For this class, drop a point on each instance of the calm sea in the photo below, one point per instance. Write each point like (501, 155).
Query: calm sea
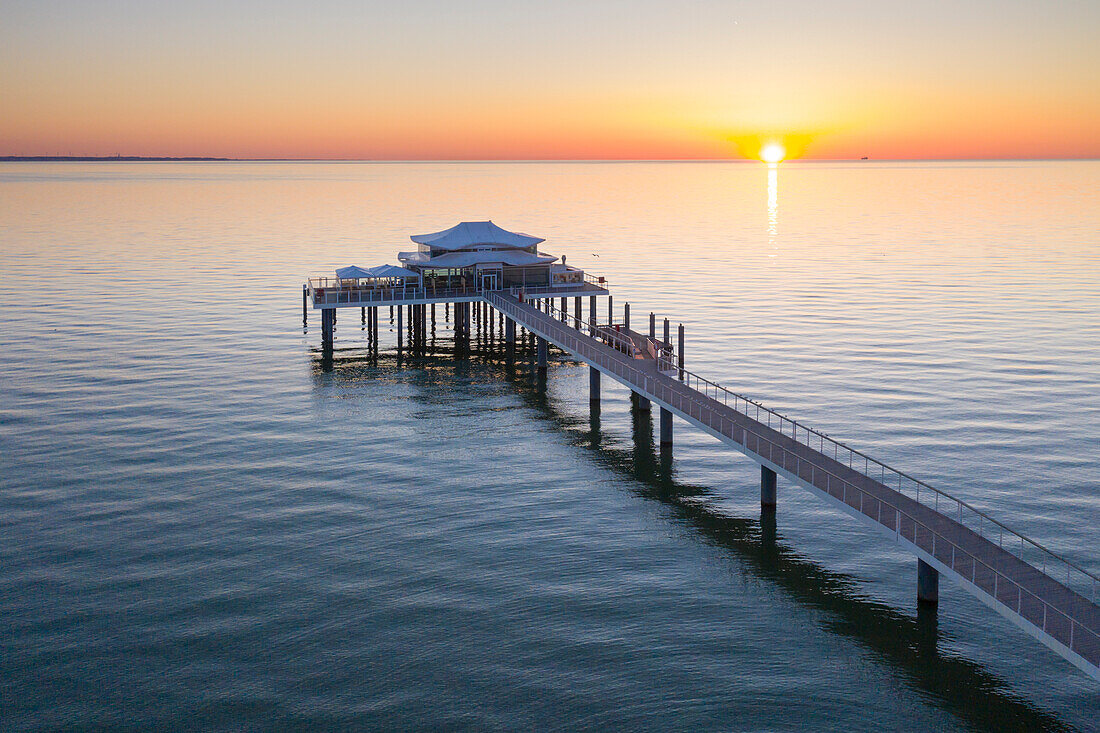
(203, 527)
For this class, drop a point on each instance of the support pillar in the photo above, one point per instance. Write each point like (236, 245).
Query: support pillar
(626, 315)
(400, 327)
(509, 331)
(592, 309)
(652, 326)
(542, 348)
(363, 314)
(767, 488)
(610, 309)
(305, 300)
(593, 385)
(928, 583)
(666, 428)
(577, 311)
(328, 326)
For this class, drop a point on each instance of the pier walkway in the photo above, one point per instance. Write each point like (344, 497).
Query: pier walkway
(1047, 596)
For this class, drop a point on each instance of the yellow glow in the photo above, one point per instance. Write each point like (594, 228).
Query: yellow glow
(772, 153)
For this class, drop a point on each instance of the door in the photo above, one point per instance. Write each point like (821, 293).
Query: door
(490, 281)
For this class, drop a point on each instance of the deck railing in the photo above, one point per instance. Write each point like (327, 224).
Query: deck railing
(367, 296)
(333, 291)
(1081, 639)
(982, 572)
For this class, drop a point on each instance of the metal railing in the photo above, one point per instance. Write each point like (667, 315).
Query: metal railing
(1081, 639)
(334, 291)
(609, 332)
(937, 499)
(941, 501)
(367, 296)
(602, 332)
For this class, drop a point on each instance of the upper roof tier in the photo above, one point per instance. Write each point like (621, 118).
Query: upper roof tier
(476, 233)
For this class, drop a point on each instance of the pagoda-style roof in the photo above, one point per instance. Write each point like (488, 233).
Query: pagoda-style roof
(470, 234)
(458, 260)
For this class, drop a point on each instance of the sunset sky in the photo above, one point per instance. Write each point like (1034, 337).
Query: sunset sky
(511, 80)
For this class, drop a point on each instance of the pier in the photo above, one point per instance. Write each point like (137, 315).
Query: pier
(1046, 595)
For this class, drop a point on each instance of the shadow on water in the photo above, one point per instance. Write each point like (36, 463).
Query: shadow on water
(908, 644)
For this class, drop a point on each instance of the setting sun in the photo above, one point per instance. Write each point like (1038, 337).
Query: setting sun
(772, 153)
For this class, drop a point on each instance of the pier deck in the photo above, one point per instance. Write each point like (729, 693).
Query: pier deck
(984, 556)
(326, 297)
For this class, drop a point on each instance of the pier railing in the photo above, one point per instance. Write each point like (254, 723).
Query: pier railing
(979, 569)
(331, 291)
(941, 501)
(367, 296)
(1022, 547)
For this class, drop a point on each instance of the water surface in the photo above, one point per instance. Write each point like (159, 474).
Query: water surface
(203, 523)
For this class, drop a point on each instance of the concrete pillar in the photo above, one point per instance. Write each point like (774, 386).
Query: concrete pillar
(542, 348)
(400, 327)
(593, 385)
(644, 404)
(928, 583)
(652, 326)
(591, 308)
(509, 331)
(667, 339)
(328, 322)
(767, 488)
(666, 428)
(626, 315)
(610, 309)
(577, 312)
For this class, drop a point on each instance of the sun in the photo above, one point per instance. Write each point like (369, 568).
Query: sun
(772, 153)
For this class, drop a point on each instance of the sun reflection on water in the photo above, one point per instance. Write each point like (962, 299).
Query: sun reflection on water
(773, 205)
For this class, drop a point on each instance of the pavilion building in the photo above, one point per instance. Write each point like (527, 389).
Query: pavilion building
(482, 255)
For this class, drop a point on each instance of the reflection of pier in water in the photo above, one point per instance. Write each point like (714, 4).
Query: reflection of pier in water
(1046, 595)
(908, 644)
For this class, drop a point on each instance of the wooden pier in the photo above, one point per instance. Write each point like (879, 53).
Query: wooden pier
(1050, 598)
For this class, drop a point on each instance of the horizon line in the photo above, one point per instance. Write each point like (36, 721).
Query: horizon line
(7, 158)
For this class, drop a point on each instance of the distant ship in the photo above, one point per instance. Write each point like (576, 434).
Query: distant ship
(864, 158)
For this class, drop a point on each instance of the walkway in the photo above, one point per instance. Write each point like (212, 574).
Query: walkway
(955, 538)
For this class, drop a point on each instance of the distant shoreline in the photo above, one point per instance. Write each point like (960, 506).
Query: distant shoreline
(96, 158)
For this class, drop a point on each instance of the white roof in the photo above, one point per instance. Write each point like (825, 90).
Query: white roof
(472, 233)
(468, 259)
(363, 273)
(352, 273)
(392, 271)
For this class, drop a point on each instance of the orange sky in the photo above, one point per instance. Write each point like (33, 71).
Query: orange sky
(601, 79)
